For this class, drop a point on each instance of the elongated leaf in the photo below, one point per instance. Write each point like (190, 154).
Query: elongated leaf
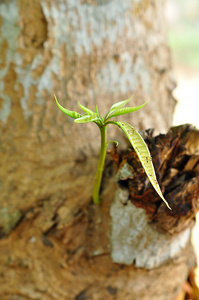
(87, 118)
(97, 111)
(116, 106)
(143, 153)
(85, 109)
(120, 104)
(70, 113)
(125, 110)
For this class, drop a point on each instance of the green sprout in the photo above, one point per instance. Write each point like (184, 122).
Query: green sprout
(133, 136)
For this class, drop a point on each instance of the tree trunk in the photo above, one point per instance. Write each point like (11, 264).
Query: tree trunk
(55, 244)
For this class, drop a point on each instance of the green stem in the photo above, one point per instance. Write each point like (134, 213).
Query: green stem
(100, 167)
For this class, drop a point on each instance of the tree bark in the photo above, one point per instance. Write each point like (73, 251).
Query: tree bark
(55, 244)
(155, 233)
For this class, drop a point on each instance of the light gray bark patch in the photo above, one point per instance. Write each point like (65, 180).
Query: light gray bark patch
(106, 23)
(96, 2)
(134, 240)
(112, 79)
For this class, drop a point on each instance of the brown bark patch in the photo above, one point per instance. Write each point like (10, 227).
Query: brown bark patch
(176, 162)
(4, 47)
(33, 22)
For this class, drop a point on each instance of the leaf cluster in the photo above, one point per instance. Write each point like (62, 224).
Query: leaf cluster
(117, 109)
(132, 134)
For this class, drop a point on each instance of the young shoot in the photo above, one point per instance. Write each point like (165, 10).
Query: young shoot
(132, 134)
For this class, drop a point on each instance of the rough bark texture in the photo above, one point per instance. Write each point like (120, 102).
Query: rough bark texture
(67, 254)
(54, 243)
(155, 233)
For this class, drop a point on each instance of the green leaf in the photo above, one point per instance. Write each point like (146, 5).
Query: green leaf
(87, 118)
(85, 109)
(120, 104)
(70, 113)
(117, 105)
(125, 110)
(97, 111)
(143, 153)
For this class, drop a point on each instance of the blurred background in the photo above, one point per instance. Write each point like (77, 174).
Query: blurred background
(183, 37)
